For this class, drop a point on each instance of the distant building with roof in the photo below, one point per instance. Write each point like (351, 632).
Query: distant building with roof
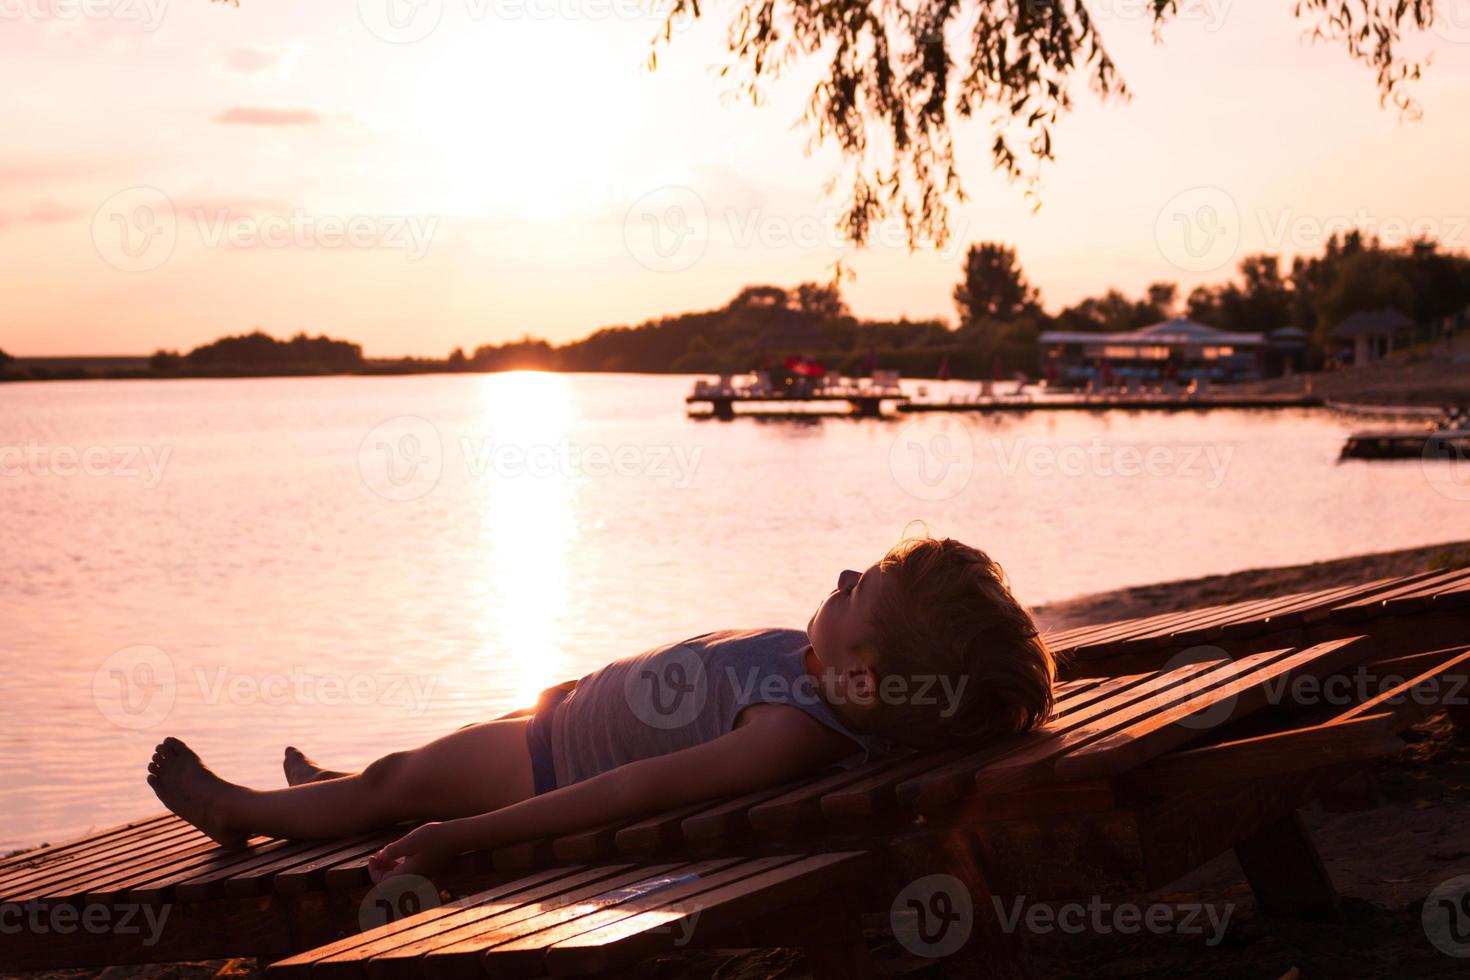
(1287, 351)
(1372, 334)
(1177, 348)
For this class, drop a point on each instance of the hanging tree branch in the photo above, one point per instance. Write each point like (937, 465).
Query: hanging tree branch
(899, 72)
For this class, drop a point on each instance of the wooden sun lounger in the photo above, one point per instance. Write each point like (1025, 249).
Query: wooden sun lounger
(1147, 771)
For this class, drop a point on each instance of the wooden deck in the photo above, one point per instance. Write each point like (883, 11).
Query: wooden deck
(1177, 736)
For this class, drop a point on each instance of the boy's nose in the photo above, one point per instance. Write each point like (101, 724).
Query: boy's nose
(847, 579)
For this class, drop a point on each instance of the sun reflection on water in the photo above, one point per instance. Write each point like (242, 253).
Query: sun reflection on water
(528, 521)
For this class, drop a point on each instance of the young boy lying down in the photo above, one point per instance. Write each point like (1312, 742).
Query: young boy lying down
(927, 647)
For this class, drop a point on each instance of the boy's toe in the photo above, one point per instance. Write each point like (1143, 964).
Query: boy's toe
(180, 748)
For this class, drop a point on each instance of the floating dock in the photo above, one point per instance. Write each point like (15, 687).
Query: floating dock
(797, 399)
(1126, 403)
(865, 402)
(1452, 444)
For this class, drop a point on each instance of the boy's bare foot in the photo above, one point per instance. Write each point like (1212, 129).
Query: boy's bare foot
(189, 788)
(300, 769)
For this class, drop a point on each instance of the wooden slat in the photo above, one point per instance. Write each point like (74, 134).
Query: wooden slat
(1066, 640)
(595, 842)
(658, 832)
(101, 858)
(346, 955)
(22, 865)
(1134, 626)
(152, 854)
(728, 820)
(1165, 622)
(260, 880)
(457, 946)
(1035, 757)
(156, 883)
(1298, 750)
(1400, 700)
(209, 879)
(1138, 693)
(1243, 684)
(1414, 663)
(1246, 618)
(1432, 593)
(257, 876)
(1315, 607)
(1404, 595)
(522, 855)
(803, 805)
(312, 874)
(1226, 621)
(1260, 611)
(947, 775)
(341, 874)
(1210, 623)
(1453, 597)
(874, 794)
(632, 939)
(522, 951)
(402, 956)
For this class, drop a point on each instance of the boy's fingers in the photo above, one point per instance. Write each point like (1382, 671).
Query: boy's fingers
(382, 865)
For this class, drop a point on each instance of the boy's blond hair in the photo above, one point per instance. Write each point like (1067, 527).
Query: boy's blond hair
(947, 613)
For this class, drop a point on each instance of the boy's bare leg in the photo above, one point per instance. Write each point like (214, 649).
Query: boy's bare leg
(474, 770)
(300, 768)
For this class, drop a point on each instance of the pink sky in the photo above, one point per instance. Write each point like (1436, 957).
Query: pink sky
(176, 169)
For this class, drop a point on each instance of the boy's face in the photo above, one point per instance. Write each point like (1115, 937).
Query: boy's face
(839, 632)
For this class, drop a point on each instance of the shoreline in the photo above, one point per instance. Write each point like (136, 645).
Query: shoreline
(1429, 376)
(1255, 583)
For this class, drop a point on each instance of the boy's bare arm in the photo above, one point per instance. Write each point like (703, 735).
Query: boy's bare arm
(775, 744)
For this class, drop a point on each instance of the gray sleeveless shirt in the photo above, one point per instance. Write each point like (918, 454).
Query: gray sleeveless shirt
(684, 694)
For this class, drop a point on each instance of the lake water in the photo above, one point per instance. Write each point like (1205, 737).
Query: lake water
(355, 565)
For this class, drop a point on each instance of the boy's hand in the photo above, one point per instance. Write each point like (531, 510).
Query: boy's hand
(421, 851)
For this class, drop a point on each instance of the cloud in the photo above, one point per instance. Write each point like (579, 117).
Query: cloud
(231, 206)
(248, 116)
(45, 213)
(41, 171)
(248, 59)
